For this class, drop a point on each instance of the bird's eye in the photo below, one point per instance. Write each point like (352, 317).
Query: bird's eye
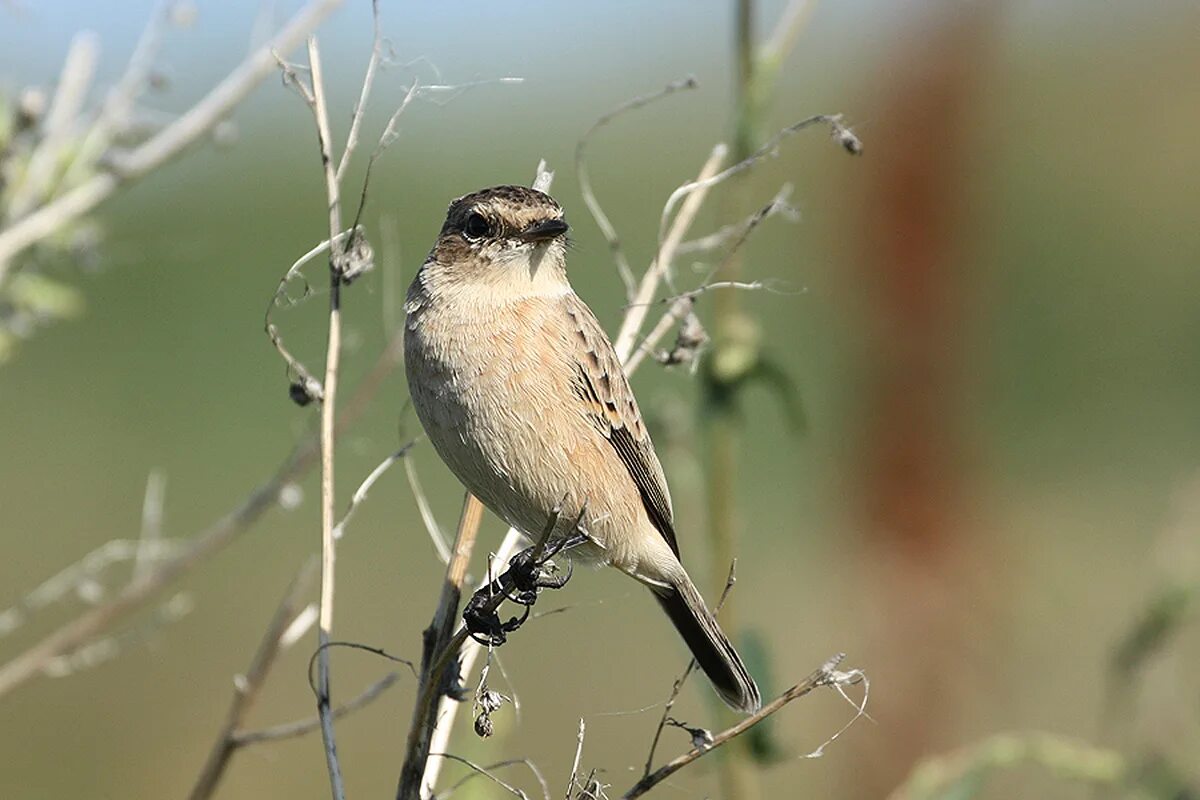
(477, 227)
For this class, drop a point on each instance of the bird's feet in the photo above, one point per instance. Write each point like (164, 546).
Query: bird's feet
(529, 572)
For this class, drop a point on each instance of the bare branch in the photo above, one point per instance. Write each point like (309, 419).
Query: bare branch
(681, 307)
(304, 386)
(632, 323)
(82, 578)
(88, 625)
(447, 709)
(118, 109)
(97, 651)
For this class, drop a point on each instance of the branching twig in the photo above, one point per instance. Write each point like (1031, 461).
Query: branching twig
(83, 577)
(727, 233)
(639, 307)
(841, 134)
(682, 304)
(825, 675)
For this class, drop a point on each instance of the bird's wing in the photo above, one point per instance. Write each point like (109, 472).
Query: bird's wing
(611, 408)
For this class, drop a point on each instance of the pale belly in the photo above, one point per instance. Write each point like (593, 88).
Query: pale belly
(503, 421)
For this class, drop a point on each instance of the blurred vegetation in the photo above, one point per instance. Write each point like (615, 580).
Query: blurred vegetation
(1078, 375)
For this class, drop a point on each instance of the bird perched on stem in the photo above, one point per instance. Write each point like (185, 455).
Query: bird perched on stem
(524, 398)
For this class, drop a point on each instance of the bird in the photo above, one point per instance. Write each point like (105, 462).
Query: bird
(523, 397)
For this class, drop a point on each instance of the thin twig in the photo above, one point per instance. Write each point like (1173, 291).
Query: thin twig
(365, 94)
(360, 493)
(164, 145)
(118, 108)
(585, 181)
(246, 686)
(487, 773)
(97, 651)
(825, 675)
(727, 233)
(305, 386)
(841, 134)
(431, 525)
(292, 730)
(152, 523)
(88, 625)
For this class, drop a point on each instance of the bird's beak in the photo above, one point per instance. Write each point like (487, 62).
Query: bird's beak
(545, 230)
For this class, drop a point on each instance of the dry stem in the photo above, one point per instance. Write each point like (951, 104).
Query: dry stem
(440, 644)
(825, 675)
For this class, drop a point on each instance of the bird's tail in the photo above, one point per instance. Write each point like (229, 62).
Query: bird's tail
(709, 645)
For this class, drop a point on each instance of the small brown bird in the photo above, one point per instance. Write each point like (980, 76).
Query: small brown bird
(524, 398)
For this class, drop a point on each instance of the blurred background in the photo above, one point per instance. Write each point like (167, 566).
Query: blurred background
(991, 321)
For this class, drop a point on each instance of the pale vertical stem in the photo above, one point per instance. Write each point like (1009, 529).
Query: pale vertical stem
(333, 349)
